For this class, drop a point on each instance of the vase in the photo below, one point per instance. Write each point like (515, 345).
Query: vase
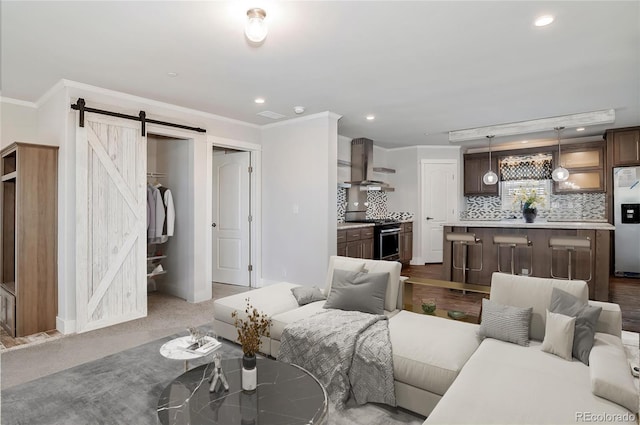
(529, 214)
(249, 373)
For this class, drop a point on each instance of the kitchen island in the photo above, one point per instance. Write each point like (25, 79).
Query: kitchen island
(539, 234)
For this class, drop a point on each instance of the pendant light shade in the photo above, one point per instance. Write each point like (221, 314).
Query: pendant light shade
(560, 174)
(490, 177)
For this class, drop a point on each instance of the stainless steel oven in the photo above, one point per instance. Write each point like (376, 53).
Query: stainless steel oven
(386, 242)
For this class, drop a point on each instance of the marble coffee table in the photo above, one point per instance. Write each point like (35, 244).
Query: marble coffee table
(174, 350)
(285, 394)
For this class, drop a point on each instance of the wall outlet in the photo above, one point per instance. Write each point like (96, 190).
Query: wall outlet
(296, 208)
(284, 272)
(525, 272)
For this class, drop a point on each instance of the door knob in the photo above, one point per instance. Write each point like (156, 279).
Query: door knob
(429, 218)
(213, 224)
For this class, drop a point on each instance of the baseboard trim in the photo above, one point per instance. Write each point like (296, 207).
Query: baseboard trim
(417, 261)
(64, 326)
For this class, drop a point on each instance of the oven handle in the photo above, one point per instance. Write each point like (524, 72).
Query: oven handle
(386, 231)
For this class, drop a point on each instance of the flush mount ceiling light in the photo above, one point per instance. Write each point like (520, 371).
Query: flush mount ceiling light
(544, 20)
(256, 28)
(560, 174)
(580, 129)
(259, 100)
(490, 177)
(544, 124)
(370, 117)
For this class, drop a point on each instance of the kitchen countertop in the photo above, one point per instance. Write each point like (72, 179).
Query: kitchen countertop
(343, 226)
(538, 224)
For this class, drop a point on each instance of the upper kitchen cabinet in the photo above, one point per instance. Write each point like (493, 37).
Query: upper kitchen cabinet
(475, 166)
(585, 163)
(625, 143)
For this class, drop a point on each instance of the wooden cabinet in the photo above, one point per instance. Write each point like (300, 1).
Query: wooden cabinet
(585, 164)
(356, 243)
(406, 242)
(475, 166)
(28, 282)
(625, 143)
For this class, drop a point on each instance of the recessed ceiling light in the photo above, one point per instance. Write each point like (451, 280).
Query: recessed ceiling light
(259, 100)
(370, 117)
(580, 129)
(543, 20)
(172, 74)
(525, 141)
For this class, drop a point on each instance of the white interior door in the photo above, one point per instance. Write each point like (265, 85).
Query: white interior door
(111, 157)
(231, 234)
(439, 205)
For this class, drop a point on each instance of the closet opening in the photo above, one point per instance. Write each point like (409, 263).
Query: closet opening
(232, 217)
(169, 221)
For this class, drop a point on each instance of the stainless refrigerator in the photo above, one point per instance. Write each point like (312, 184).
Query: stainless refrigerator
(626, 204)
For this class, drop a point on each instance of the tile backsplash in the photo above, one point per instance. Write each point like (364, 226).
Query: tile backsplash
(377, 208)
(577, 206)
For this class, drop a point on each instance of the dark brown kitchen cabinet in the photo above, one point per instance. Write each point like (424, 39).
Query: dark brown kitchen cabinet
(475, 166)
(625, 143)
(356, 243)
(405, 242)
(585, 163)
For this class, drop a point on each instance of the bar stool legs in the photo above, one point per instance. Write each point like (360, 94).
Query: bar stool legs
(513, 242)
(571, 244)
(464, 240)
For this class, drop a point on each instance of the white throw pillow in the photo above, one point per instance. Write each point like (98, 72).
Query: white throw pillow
(558, 335)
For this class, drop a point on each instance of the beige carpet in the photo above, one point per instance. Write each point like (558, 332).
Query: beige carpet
(166, 315)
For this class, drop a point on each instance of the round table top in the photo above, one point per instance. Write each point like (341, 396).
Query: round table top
(174, 349)
(285, 394)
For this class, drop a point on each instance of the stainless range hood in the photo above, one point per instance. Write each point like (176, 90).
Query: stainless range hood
(362, 166)
(362, 179)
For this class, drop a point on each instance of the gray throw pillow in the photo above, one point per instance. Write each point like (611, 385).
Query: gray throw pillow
(305, 295)
(586, 319)
(358, 291)
(504, 322)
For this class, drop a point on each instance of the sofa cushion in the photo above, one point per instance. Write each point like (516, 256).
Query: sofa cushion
(357, 291)
(279, 321)
(535, 292)
(505, 383)
(558, 335)
(586, 319)
(305, 294)
(610, 376)
(270, 300)
(428, 351)
(371, 266)
(505, 322)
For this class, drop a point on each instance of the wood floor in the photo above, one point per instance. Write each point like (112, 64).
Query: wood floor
(623, 291)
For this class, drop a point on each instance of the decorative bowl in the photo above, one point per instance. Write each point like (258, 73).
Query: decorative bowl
(429, 306)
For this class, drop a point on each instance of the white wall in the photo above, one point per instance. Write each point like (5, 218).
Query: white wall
(18, 122)
(299, 183)
(406, 180)
(56, 124)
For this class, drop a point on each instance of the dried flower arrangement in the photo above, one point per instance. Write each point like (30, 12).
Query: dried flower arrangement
(251, 329)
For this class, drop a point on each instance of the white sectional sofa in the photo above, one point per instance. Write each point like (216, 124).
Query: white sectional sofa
(443, 370)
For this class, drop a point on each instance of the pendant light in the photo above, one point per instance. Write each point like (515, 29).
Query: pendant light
(490, 177)
(560, 174)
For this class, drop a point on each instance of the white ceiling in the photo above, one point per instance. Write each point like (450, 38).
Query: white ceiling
(422, 68)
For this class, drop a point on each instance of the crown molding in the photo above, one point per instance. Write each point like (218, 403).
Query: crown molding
(18, 102)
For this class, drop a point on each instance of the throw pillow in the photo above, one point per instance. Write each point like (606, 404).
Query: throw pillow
(305, 295)
(586, 318)
(505, 322)
(357, 291)
(558, 335)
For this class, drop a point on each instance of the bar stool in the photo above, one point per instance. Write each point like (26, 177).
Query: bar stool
(464, 240)
(570, 244)
(513, 242)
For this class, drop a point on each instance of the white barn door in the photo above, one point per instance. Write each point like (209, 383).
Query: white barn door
(111, 157)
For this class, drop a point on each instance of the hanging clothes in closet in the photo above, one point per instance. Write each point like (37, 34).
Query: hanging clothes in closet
(160, 212)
